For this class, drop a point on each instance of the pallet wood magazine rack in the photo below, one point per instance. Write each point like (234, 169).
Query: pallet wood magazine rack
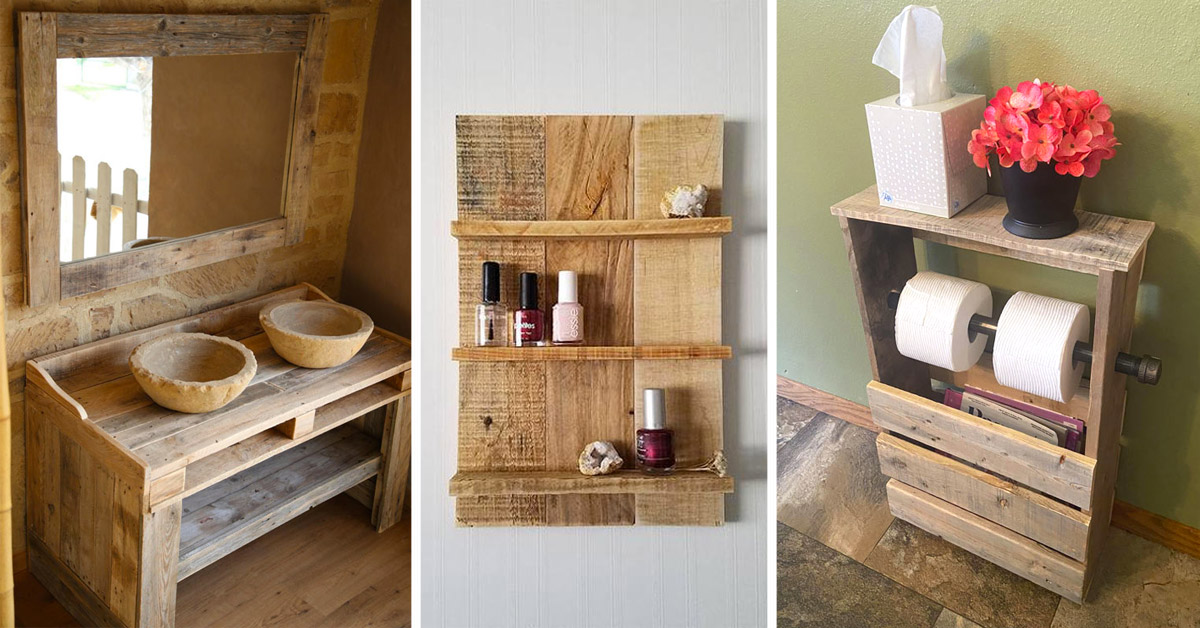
(1037, 510)
(550, 193)
(126, 498)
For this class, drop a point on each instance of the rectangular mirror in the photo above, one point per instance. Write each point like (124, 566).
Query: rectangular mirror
(156, 143)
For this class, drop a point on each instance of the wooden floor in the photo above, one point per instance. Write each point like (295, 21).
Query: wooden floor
(327, 567)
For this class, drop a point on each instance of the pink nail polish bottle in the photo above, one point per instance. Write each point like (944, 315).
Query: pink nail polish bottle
(568, 313)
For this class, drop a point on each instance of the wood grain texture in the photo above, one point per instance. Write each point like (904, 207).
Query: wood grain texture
(994, 543)
(680, 510)
(1026, 512)
(604, 273)
(39, 155)
(1100, 242)
(98, 273)
(388, 500)
(694, 400)
(882, 259)
(590, 510)
(1055, 471)
(67, 588)
(585, 402)
(500, 510)
(676, 288)
(574, 353)
(677, 150)
(502, 416)
(1157, 528)
(1116, 302)
(981, 376)
(158, 566)
(514, 257)
(148, 35)
(501, 167)
(588, 162)
(625, 481)
(302, 141)
(828, 403)
(591, 230)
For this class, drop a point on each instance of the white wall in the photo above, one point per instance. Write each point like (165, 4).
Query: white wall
(608, 57)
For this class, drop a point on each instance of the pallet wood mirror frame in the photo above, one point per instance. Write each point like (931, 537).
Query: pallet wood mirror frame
(46, 37)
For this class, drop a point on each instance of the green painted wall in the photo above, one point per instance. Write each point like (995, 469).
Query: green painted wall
(1143, 57)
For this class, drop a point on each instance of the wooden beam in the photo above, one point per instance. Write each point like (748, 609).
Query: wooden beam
(38, 127)
(150, 35)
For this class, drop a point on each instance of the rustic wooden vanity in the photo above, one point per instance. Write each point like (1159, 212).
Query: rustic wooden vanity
(127, 498)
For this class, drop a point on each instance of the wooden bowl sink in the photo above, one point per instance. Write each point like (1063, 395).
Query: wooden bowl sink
(315, 334)
(190, 372)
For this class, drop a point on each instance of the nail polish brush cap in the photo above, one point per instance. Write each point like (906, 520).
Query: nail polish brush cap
(529, 293)
(491, 282)
(568, 286)
(654, 409)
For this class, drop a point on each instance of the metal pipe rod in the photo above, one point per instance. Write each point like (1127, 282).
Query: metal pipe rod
(1146, 369)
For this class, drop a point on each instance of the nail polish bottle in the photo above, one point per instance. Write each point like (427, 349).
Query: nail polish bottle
(568, 313)
(491, 317)
(529, 324)
(655, 443)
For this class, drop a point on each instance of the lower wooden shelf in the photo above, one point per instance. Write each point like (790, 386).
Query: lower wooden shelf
(477, 483)
(239, 509)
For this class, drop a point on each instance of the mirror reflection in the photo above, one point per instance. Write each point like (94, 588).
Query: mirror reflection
(200, 142)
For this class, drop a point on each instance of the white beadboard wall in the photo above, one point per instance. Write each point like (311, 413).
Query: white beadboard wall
(603, 57)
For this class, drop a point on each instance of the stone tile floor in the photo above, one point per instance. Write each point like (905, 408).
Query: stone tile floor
(844, 561)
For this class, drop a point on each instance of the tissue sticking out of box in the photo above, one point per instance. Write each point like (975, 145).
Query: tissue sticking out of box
(911, 49)
(684, 201)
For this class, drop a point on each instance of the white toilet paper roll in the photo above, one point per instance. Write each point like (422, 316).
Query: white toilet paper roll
(933, 316)
(1035, 340)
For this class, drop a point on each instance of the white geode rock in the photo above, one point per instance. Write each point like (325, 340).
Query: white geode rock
(685, 201)
(599, 458)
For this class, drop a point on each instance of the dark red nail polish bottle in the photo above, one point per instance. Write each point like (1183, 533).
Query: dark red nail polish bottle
(655, 443)
(529, 324)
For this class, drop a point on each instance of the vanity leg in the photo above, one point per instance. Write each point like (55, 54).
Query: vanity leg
(393, 475)
(159, 565)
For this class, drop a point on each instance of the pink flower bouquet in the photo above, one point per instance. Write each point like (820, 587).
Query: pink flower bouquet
(1045, 123)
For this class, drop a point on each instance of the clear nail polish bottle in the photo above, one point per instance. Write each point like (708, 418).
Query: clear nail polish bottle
(491, 317)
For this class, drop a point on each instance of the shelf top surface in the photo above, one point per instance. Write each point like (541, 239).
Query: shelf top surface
(106, 394)
(592, 229)
(589, 352)
(1102, 242)
(624, 481)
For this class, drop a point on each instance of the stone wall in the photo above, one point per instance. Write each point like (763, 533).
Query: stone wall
(30, 332)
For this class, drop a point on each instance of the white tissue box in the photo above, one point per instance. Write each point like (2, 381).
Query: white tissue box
(921, 158)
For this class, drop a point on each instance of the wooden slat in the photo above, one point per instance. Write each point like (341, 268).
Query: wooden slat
(304, 128)
(589, 352)
(103, 447)
(129, 195)
(676, 288)
(233, 459)
(158, 566)
(590, 509)
(704, 509)
(1053, 470)
(588, 163)
(591, 229)
(674, 150)
(1026, 512)
(501, 167)
(694, 400)
(473, 483)
(501, 416)
(500, 510)
(882, 259)
(67, 588)
(98, 273)
(116, 35)
(1101, 242)
(39, 155)
(103, 208)
(216, 529)
(78, 206)
(388, 499)
(994, 543)
(514, 257)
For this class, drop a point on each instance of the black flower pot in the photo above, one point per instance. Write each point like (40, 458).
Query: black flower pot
(1041, 204)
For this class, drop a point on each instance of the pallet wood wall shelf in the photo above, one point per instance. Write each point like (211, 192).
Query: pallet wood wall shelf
(126, 498)
(1037, 510)
(549, 193)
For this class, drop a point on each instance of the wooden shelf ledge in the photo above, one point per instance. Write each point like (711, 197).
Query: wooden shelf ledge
(591, 229)
(1102, 242)
(475, 483)
(578, 353)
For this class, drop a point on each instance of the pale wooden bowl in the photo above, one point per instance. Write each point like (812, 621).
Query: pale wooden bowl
(315, 334)
(189, 372)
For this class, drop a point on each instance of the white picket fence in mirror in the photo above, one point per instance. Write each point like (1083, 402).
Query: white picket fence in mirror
(106, 204)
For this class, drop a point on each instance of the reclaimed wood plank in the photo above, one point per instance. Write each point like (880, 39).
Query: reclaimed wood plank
(151, 35)
(302, 142)
(625, 481)
(501, 167)
(1058, 472)
(992, 542)
(674, 150)
(1021, 510)
(589, 230)
(39, 155)
(590, 353)
(388, 500)
(1100, 242)
(588, 162)
(703, 509)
